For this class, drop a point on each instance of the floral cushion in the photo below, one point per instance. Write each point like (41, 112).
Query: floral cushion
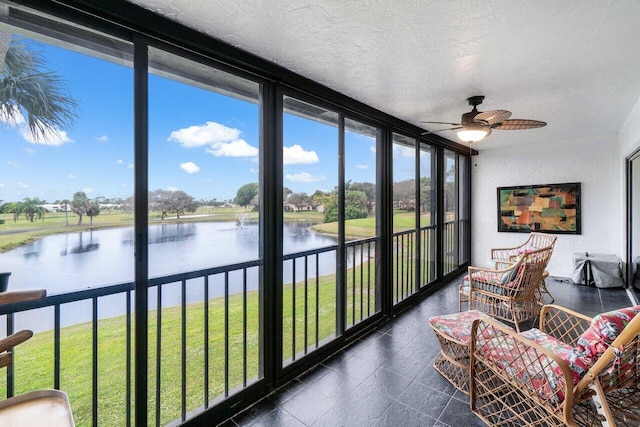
(457, 325)
(521, 362)
(592, 344)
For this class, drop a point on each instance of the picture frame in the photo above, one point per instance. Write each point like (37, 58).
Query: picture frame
(546, 208)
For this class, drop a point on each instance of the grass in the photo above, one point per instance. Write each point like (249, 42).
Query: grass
(34, 364)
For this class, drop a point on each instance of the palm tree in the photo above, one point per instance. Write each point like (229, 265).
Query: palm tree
(29, 92)
(80, 205)
(31, 209)
(65, 203)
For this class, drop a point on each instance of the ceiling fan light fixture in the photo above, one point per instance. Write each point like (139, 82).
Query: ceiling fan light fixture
(473, 132)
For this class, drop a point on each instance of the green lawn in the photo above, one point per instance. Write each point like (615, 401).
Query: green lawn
(34, 359)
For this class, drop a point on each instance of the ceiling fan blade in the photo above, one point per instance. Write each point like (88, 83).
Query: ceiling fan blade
(441, 130)
(442, 123)
(492, 117)
(519, 124)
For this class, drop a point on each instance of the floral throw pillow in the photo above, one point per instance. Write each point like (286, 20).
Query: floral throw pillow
(604, 329)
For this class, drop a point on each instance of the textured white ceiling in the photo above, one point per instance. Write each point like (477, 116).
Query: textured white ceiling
(572, 63)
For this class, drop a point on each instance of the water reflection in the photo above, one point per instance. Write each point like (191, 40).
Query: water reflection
(80, 260)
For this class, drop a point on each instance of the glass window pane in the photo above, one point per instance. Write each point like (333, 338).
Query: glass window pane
(404, 217)
(450, 211)
(360, 220)
(427, 215)
(310, 226)
(66, 220)
(204, 212)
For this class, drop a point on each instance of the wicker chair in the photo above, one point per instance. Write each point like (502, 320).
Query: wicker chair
(571, 371)
(511, 293)
(534, 241)
(41, 407)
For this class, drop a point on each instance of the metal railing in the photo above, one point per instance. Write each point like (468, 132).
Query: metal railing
(404, 261)
(310, 292)
(206, 347)
(204, 329)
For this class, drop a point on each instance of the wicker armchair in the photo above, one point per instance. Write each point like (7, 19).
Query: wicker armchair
(534, 241)
(571, 371)
(511, 293)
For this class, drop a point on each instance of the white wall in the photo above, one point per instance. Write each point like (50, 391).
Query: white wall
(593, 161)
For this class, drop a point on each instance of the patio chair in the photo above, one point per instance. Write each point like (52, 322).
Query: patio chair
(534, 241)
(571, 371)
(510, 294)
(41, 407)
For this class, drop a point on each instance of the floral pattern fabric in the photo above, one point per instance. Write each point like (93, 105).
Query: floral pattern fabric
(457, 325)
(515, 357)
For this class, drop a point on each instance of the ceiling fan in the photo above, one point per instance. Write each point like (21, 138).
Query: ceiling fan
(475, 125)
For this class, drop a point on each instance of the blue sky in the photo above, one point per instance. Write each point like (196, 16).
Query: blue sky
(201, 142)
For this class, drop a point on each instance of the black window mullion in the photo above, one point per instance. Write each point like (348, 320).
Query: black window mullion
(341, 307)
(141, 224)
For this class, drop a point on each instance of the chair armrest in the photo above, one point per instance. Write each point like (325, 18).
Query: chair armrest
(524, 366)
(22, 296)
(563, 324)
(8, 343)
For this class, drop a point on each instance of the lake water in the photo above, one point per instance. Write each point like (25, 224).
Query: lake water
(67, 262)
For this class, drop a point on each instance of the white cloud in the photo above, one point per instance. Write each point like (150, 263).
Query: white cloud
(172, 188)
(373, 149)
(13, 164)
(102, 138)
(130, 166)
(189, 167)
(119, 162)
(29, 151)
(304, 177)
(22, 185)
(208, 134)
(12, 115)
(1, 184)
(362, 166)
(52, 137)
(253, 170)
(296, 155)
(237, 148)
(71, 176)
(87, 190)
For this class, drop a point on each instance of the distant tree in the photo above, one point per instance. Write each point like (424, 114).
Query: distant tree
(299, 199)
(94, 210)
(181, 202)
(322, 198)
(404, 193)
(66, 203)
(80, 205)
(29, 91)
(355, 204)
(14, 208)
(172, 201)
(31, 208)
(368, 188)
(286, 192)
(246, 193)
(159, 200)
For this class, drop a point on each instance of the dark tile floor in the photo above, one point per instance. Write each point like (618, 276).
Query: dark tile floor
(387, 378)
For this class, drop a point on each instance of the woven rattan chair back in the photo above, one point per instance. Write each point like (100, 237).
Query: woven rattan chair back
(515, 301)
